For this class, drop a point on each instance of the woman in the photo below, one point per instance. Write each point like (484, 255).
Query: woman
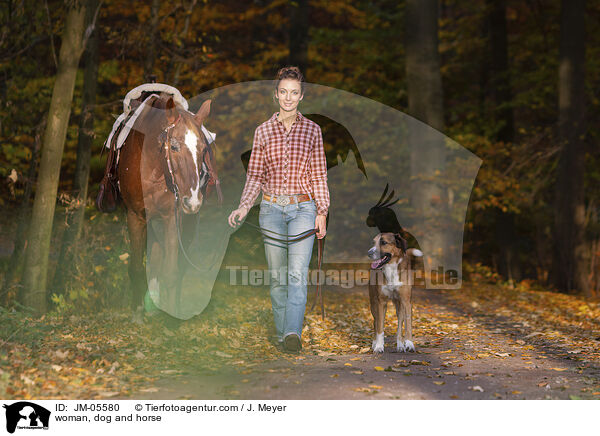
(288, 164)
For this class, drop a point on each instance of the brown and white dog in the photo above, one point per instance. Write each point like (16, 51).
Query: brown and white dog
(390, 254)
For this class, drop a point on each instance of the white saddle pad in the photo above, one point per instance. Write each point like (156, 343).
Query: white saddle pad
(136, 93)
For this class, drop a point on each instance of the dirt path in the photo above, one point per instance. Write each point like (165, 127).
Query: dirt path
(463, 352)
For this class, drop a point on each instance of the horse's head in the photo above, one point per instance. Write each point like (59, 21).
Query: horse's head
(183, 146)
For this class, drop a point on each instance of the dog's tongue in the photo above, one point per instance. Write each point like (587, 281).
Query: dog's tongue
(377, 264)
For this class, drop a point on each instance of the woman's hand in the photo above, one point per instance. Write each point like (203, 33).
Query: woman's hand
(320, 224)
(237, 216)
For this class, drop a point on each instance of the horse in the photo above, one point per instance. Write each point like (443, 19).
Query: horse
(164, 169)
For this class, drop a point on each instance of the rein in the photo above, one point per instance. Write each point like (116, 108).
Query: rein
(294, 238)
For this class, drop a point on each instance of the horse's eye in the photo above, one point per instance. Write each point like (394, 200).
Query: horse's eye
(175, 145)
(383, 242)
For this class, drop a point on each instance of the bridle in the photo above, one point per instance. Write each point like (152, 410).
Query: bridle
(165, 142)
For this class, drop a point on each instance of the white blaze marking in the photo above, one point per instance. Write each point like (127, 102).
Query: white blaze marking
(191, 142)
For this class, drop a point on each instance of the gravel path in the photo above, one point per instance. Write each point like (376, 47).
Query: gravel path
(463, 353)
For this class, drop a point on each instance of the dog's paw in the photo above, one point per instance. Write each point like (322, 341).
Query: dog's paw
(409, 346)
(378, 344)
(399, 346)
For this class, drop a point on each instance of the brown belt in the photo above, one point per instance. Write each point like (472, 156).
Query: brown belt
(281, 199)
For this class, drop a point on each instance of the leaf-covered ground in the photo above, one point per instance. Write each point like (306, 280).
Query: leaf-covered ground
(483, 341)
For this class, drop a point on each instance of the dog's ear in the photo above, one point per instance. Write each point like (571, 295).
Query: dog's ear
(400, 242)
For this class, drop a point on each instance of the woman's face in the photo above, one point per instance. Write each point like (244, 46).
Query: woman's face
(289, 94)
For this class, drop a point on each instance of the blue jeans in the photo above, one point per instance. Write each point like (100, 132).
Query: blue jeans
(288, 263)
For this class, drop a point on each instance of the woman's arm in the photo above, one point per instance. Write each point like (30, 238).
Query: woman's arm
(255, 176)
(318, 174)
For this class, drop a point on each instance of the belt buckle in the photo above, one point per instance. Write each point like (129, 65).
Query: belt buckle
(283, 200)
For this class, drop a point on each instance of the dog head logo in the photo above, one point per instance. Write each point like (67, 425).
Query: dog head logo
(26, 415)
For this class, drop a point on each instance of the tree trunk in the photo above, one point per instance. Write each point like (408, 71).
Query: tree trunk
(425, 102)
(500, 80)
(20, 242)
(33, 293)
(72, 232)
(150, 57)
(186, 26)
(298, 34)
(570, 250)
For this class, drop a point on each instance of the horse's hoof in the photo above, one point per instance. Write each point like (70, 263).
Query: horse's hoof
(138, 316)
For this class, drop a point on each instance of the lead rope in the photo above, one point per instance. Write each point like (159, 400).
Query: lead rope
(299, 237)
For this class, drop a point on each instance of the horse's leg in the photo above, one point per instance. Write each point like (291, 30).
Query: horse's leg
(188, 233)
(137, 273)
(170, 271)
(154, 256)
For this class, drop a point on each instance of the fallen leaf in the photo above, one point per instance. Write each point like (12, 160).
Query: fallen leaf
(378, 368)
(439, 383)
(375, 386)
(559, 369)
(476, 388)
(221, 354)
(61, 354)
(365, 390)
(149, 390)
(516, 392)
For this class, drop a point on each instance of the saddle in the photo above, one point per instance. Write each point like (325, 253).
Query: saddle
(109, 194)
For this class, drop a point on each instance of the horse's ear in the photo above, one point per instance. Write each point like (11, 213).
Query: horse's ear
(171, 111)
(203, 112)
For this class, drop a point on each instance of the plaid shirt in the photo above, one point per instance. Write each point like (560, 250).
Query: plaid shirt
(287, 163)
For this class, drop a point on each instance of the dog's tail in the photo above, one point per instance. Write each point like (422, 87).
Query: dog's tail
(414, 252)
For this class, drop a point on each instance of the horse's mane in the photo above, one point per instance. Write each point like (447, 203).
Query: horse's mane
(152, 118)
(158, 118)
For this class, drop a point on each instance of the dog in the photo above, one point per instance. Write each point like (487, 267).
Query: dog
(391, 255)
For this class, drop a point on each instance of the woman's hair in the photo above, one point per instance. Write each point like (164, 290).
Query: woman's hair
(290, 73)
